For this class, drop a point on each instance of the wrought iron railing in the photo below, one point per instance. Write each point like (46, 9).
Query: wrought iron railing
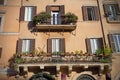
(62, 59)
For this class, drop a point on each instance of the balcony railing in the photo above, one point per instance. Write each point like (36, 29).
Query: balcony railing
(61, 59)
(115, 19)
(55, 27)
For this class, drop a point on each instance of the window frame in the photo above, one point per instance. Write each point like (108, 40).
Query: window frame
(110, 18)
(85, 13)
(23, 13)
(89, 45)
(2, 22)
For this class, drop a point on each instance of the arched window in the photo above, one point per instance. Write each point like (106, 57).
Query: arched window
(85, 77)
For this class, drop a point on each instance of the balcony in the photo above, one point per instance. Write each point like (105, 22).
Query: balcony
(115, 19)
(64, 59)
(44, 22)
(55, 28)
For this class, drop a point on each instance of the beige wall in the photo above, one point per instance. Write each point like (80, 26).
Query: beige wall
(82, 31)
(85, 29)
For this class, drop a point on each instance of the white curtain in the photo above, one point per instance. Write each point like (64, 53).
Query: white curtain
(28, 14)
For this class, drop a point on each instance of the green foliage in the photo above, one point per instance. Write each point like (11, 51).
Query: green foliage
(107, 51)
(105, 60)
(41, 18)
(18, 60)
(99, 51)
(42, 76)
(70, 18)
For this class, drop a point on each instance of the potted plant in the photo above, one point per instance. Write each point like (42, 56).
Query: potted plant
(70, 18)
(41, 18)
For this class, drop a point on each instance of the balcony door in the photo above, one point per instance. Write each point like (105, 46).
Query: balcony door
(55, 17)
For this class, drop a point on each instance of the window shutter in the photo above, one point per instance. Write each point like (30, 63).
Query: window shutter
(88, 45)
(34, 11)
(62, 45)
(100, 43)
(117, 8)
(84, 12)
(22, 13)
(49, 45)
(0, 52)
(2, 2)
(48, 10)
(19, 46)
(96, 13)
(32, 44)
(62, 12)
(105, 6)
(111, 42)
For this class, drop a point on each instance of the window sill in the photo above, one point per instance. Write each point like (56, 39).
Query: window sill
(116, 54)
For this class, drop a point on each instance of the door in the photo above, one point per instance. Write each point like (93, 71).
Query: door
(55, 17)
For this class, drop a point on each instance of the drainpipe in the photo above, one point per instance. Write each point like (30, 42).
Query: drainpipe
(104, 42)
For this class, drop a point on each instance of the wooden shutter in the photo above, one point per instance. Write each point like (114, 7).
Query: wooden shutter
(105, 6)
(49, 45)
(117, 8)
(48, 10)
(22, 13)
(62, 45)
(100, 43)
(2, 2)
(84, 12)
(32, 44)
(111, 42)
(62, 12)
(96, 13)
(34, 11)
(88, 45)
(19, 46)
(0, 52)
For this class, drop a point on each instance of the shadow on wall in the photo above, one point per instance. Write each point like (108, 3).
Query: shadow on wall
(117, 77)
(31, 25)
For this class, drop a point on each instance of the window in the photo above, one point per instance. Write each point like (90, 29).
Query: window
(94, 44)
(2, 2)
(114, 40)
(1, 21)
(27, 13)
(55, 17)
(112, 12)
(56, 45)
(90, 13)
(56, 11)
(25, 45)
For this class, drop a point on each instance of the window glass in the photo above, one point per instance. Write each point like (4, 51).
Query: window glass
(116, 39)
(25, 45)
(28, 14)
(55, 45)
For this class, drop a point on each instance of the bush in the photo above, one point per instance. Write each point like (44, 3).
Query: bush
(41, 18)
(70, 18)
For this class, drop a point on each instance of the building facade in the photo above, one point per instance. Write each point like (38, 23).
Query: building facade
(67, 50)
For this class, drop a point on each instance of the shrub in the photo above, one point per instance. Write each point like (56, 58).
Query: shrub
(41, 18)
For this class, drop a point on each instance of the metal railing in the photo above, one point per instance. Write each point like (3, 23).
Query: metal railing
(63, 59)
